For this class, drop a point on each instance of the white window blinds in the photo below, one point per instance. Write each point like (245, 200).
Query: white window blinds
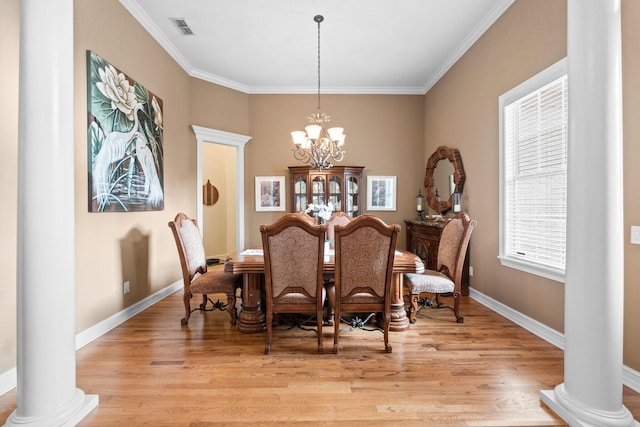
(534, 178)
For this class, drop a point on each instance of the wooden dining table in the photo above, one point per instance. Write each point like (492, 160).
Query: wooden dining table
(250, 263)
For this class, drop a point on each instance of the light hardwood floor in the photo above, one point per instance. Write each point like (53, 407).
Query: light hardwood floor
(484, 372)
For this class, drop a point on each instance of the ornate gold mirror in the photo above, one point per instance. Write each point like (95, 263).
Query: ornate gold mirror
(443, 178)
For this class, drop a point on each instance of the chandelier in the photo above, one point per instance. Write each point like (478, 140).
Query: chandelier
(317, 146)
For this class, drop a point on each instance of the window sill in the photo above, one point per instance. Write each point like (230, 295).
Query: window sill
(529, 267)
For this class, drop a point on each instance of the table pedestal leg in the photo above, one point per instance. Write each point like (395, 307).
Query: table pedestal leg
(251, 318)
(399, 320)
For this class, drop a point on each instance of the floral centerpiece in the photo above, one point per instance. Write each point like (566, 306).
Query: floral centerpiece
(321, 210)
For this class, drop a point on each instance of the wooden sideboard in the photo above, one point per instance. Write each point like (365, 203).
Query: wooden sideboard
(423, 239)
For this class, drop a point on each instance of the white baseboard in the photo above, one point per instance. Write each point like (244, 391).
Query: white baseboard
(88, 335)
(8, 379)
(543, 331)
(630, 377)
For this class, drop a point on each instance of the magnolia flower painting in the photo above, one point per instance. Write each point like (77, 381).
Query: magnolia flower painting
(124, 138)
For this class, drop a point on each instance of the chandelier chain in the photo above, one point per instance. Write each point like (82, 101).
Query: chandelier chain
(318, 146)
(318, 20)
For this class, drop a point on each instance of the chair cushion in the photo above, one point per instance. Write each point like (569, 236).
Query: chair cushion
(362, 298)
(213, 282)
(429, 281)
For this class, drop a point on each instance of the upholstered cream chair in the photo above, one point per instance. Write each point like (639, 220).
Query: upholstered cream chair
(196, 278)
(293, 263)
(364, 253)
(446, 280)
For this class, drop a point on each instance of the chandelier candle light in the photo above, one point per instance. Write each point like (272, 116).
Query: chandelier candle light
(318, 146)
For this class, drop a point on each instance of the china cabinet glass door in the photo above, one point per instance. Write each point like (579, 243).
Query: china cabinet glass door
(318, 190)
(351, 196)
(300, 194)
(335, 192)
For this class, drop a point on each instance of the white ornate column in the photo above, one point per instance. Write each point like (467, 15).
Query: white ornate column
(591, 394)
(46, 363)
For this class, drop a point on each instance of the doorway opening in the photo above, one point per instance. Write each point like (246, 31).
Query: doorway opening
(213, 136)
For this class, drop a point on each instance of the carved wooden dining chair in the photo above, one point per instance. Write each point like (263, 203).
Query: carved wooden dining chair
(309, 218)
(337, 218)
(447, 279)
(197, 279)
(293, 266)
(364, 253)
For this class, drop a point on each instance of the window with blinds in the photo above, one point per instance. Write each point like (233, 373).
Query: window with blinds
(533, 142)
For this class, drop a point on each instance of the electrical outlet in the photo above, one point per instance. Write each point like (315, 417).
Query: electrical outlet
(471, 271)
(635, 234)
(127, 287)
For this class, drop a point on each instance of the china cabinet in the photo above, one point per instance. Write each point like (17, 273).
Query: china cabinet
(340, 185)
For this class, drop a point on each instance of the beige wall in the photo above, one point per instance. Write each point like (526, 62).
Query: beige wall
(385, 133)
(631, 107)
(461, 111)
(137, 246)
(218, 107)
(9, 35)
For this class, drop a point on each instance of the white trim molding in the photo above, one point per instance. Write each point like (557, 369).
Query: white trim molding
(543, 331)
(96, 331)
(9, 379)
(134, 8)
(630, 377)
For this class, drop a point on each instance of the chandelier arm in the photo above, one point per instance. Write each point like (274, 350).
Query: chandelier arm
(301, 155)
(338, 156)
(318, 155)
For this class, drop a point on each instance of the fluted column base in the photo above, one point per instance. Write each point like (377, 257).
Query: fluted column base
(68, 415)
(577, 415)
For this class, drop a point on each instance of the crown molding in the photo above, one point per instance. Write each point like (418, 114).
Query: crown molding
(466, 44)
(138, 13)
(212, 78)
(300, 90)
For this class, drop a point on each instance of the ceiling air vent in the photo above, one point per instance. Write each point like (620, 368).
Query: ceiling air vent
(182, 26)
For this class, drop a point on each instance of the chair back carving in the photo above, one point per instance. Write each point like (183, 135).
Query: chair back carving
(293, 257)
(365, 250)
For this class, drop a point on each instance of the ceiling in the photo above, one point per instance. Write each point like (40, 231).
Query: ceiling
(366, 46)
